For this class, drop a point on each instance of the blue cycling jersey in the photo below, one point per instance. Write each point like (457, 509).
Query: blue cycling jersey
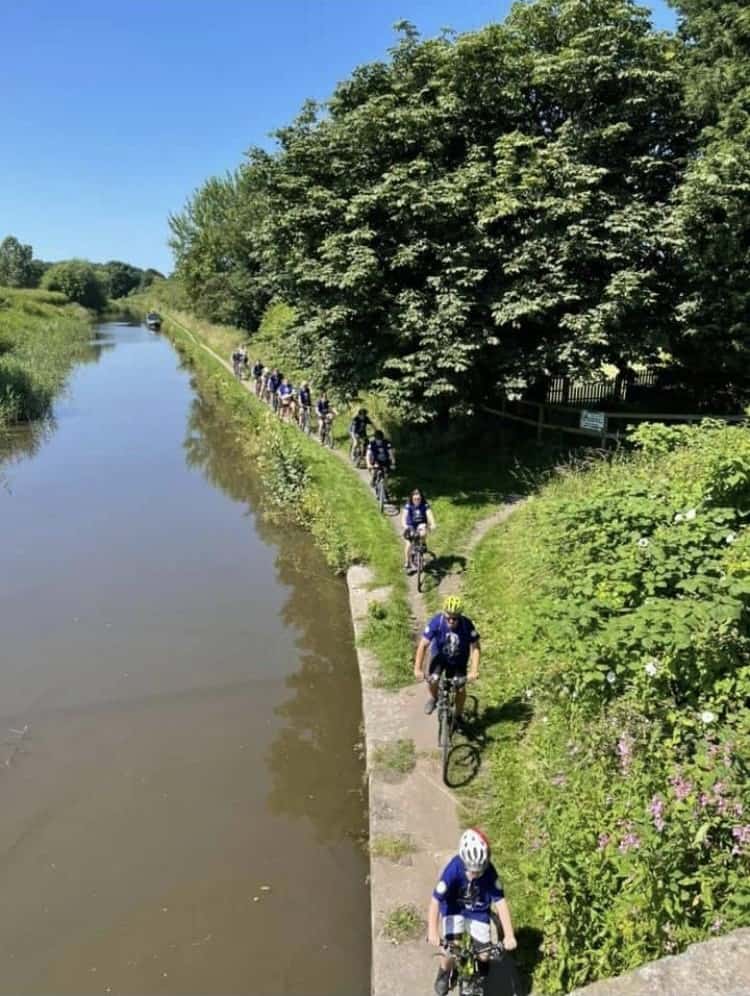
(380, 452)
(460, 896)
(273, 383)
(416, 515)
(304, 397)
(323, 407)
(285, 390)
(452, 644)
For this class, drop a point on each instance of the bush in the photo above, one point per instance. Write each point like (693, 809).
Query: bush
(77, 280)
(623, 591)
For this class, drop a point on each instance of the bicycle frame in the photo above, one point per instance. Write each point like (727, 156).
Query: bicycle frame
(471, 981)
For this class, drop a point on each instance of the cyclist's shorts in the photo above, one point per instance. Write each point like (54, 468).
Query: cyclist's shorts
(384, 465)
(411, 532)
(454, 927)
(439, 663)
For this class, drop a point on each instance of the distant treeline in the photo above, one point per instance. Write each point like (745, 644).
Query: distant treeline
(564, 190)
(85, 283)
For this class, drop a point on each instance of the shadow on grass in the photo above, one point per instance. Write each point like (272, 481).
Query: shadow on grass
(516, 711)
(438, 567)
(506, 978)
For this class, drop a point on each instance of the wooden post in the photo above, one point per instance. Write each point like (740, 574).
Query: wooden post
(540, 426)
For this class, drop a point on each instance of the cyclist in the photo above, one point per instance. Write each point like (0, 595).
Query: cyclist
(272, 387)
(416, 520)
(237, 355)
(380, 455)
(358, 431)
(258, 377)
(454, 643)
(325, 414)
(304, 405)
(468, 891)
(286, 399)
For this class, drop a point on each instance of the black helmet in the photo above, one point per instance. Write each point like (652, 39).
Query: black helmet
(379, 434)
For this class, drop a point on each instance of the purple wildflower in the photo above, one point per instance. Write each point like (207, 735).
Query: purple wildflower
(682, 787)
(704, 800)
(717, 925)
(631, 841)
(657, 812)
(603, 841)
(741, 835)
(625, 752)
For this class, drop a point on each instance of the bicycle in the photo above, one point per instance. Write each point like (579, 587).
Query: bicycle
(379, 483)
(326, 436)
(417, 551)
(446, 710)
(467, 971)
(358, 450)
(303, 419)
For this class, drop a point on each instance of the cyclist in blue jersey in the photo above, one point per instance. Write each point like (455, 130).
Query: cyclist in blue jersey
(304, 405)
(380, 454)
(325, 414)
(453, 642)
(258, 377)
(286, 399)
(237, 359)
(417, 519)
(468, 892)
(358, 430)
(272, 388)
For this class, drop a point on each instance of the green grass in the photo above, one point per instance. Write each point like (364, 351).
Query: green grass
(403, 923)
(392, 847)
(398, 757)
(42, 336)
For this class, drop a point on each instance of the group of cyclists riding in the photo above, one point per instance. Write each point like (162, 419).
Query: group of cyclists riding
(468, 894)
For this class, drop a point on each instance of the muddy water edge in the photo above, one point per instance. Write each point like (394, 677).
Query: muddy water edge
(181, 785)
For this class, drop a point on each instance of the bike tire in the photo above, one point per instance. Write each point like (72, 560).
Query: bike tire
(419, 565)
(381, 494)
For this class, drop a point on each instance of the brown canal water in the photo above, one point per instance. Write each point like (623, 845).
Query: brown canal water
(181, 802)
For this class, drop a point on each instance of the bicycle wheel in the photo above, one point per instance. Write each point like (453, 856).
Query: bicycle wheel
(419, 564)
(380, 492)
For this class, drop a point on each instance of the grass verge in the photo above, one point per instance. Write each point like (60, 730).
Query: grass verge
(42, 335)
(398, 757)
(393, 847)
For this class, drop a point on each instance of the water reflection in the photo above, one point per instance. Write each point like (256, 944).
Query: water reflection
(314, 759)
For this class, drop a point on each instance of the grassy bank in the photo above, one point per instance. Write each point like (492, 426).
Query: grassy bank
(305, 484)
(41, 336)
(614, 610)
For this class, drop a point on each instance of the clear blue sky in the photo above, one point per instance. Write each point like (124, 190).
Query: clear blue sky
(115, 112)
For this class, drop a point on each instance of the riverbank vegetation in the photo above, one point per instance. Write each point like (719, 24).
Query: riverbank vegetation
(614, 610)
(41, 336)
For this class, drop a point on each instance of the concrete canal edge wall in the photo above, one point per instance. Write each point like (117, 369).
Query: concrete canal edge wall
(416, 804)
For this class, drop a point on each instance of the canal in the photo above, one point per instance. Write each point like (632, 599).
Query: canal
(181, 784)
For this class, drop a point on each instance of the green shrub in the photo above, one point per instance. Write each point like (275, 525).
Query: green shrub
(622, 592)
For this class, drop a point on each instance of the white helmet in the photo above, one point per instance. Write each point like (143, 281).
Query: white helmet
(474, 850)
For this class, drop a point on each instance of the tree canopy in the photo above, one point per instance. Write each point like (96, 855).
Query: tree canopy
(525, 199)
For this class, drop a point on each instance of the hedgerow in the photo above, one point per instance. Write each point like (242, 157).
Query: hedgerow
(614, 610)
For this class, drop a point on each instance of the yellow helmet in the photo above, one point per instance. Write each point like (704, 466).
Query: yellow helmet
(453, 606)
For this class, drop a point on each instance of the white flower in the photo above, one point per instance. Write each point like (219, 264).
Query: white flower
(643, 541)
(528, 693)
(679, 517)
(651, 668)
(707, 716)
(730, 537)
(611, 677)
(690, 515)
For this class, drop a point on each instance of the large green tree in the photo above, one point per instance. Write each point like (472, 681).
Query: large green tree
(711, 222)
(16, 263)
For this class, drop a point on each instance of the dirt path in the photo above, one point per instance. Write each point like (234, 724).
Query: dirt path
(451, 583)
